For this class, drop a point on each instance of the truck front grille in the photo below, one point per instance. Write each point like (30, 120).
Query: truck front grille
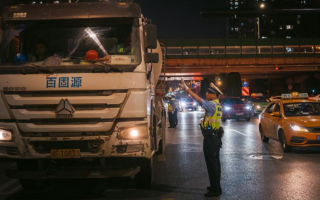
(37, 112)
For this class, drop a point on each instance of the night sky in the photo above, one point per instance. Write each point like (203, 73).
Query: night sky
(181, 19)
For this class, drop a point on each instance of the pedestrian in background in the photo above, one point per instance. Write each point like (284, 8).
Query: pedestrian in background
(171, 114)
(175, 114)
(212, 133)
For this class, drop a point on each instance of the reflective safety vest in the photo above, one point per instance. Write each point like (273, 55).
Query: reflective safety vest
(121, 49)
(213, 121)
(170, 108)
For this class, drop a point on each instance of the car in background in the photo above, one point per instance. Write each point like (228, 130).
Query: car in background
(294, 121)
(235, 108)
(316, 98)
(275, 98)
(188, 104)
(258, 104)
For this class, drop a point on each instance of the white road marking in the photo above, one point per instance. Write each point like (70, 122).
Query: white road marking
(238, 132)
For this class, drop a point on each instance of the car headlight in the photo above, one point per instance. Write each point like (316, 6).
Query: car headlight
(5, 135)
(227, 108)
(299, 128)
(258, 107)
(194, 104)
(248, 107)
(134, 133)
(183, 104)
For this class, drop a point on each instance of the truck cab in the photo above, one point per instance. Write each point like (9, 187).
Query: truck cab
(77, 91)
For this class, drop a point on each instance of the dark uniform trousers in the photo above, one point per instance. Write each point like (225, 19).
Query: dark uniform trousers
(171, 119)
(211, 149)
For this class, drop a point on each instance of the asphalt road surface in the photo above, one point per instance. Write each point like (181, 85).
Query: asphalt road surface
(250, 170)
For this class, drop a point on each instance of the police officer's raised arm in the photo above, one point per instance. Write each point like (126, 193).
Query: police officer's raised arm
(194, 96)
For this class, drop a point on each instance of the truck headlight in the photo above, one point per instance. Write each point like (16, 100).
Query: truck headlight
(134, 133)
(5, 135)
(299, 128)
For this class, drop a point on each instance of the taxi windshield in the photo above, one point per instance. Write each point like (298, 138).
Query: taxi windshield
(301, 109)
(114, 40)
(260, 99)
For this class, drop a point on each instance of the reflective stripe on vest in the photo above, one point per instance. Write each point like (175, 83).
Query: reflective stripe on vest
(213, 121)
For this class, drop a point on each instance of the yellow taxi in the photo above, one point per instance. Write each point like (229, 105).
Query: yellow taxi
(293, 120)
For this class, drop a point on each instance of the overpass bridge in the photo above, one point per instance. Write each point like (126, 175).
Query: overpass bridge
(252, 58)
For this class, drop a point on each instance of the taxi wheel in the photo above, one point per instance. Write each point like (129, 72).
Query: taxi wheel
(263, 137)
(284, 146)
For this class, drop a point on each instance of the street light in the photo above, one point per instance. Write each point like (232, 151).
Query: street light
(262, 6)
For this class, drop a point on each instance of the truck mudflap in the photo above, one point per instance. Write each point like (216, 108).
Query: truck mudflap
(72, 174)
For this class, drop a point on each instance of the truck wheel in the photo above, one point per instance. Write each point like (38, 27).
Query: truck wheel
(263, 137)
(161, 147)
(144, 177)
(162, 143)
(283, 141)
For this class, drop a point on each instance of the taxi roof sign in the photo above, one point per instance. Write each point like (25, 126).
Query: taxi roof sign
(295, 95)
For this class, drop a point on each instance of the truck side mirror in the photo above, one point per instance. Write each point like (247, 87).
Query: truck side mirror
(150, 36)
(151, 57)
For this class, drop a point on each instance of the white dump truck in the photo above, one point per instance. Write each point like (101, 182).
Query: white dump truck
(78, 91)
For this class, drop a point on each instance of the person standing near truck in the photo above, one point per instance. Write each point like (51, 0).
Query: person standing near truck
(171, 109)
(212, 133)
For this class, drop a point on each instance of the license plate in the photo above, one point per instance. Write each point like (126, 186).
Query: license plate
(318, 137)
(239, 114)
(65, 153)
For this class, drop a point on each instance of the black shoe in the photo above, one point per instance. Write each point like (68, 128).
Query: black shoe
(212, 194)
(210, 189)
(170, 127)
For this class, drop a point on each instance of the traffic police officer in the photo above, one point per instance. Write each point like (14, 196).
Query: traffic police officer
(212, 133)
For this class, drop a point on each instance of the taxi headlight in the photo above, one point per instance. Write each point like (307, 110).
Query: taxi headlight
(5, 135)
(227, 108)
(134, 133)
(299, 128)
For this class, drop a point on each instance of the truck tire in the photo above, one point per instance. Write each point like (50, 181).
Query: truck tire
(162, 142)
(144, 177)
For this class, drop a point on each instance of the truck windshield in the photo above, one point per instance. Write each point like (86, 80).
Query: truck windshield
(301, 109)
(113, 41)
